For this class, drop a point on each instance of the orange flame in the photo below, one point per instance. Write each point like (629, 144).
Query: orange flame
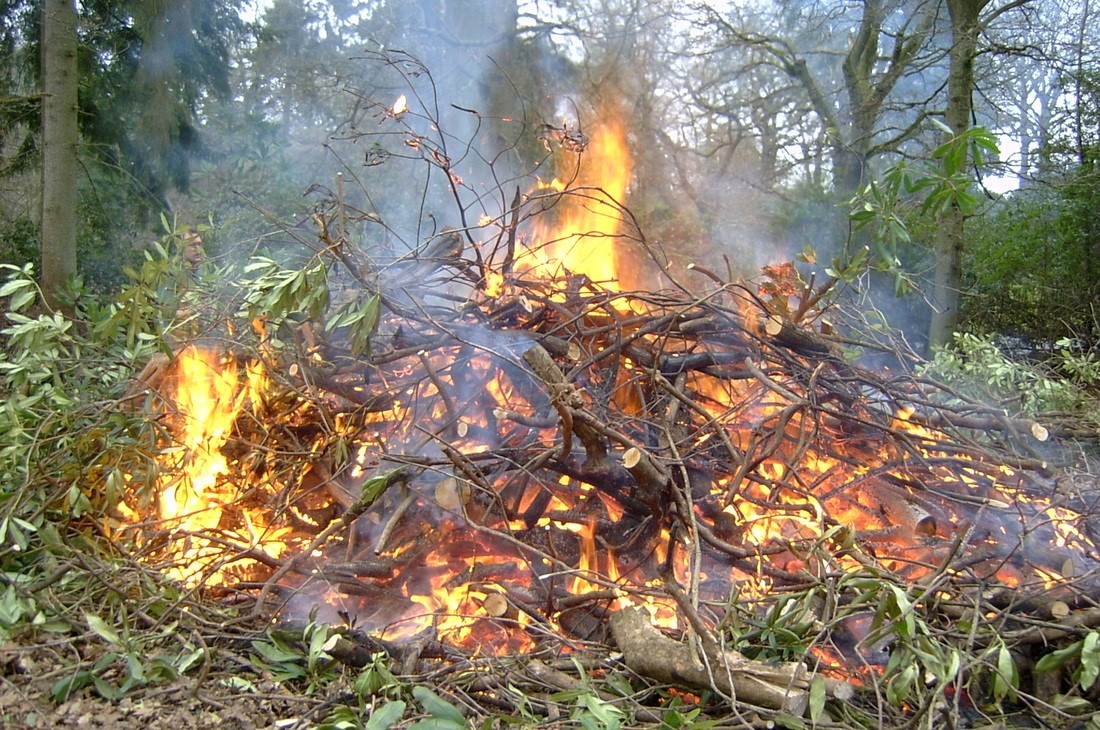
(208, 397)
(584, 240)
(193, 496)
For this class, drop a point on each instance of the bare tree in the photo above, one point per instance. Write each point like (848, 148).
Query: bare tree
(887, 42)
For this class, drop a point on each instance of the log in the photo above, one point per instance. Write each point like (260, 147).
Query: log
(781, 686)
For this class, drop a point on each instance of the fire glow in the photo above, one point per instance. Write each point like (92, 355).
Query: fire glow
(199, 495)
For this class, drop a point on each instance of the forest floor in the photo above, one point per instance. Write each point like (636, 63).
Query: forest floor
(216, 699)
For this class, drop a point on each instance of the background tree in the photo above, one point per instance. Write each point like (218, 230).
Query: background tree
(59, 142)
(141, 69)
(746, 124)
(876, 49)
(967, 24)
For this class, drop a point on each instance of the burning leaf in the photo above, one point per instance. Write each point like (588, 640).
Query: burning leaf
(400, 106)
(451, 495)
(573, 140)
(376, 155)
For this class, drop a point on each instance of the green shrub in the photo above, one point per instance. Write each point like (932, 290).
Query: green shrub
(976, 366)
(1031, 266)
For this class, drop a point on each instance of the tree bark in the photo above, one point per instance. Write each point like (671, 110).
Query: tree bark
(946, 290)
(59, 141)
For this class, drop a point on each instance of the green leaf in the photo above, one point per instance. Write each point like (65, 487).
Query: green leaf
(136, 668)
(105, 689)
(63, 688)
(607, 715)
(907, 626)
(317, 641)
(374, 488)
(187, 661)
(375, 677)
(273, 653)
(438, 707)
(435, 723)
(817, 699)
(1090, 660)
(241, 684)
(901, 685)
(1057, 659)
(1072, 704)
(386, 716)
(789, 721)
(99, 626)
(14, 285)
(23, 298)
(259, 263)
(941, 125)
(1006, 679)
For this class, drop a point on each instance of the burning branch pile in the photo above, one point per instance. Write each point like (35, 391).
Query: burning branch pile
(520, 468)
(490, 452)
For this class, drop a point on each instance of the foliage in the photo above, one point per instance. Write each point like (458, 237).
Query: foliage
(302, 660)
(1031, 267)
(105, 240)
(278, 293)
(128, 662)
(65, 457)
(976, 365)
(919, 659)
(248, 180)
(1081, 367)
(49, 415)
(1084, 654)
(144, 69)
(940, 184)
(18, 241)
(67, 453)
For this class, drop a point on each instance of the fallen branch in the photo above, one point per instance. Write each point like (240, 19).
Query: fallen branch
(648, 652)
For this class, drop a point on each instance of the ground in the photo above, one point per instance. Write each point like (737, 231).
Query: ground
(28, 671)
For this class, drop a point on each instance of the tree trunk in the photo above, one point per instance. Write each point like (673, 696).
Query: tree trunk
(950, 240)
(1079, 77)
(59, 141)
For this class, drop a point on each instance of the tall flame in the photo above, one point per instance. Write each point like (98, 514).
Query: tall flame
(209, 397)
(585, 237)
(194, 494)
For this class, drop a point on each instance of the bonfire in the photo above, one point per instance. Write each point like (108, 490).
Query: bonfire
(494, 448)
